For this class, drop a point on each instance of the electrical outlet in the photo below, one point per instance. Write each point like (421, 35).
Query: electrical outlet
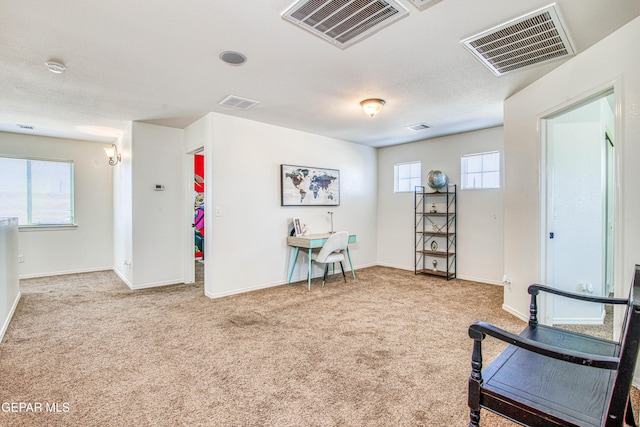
(506, 281)
(20, 258)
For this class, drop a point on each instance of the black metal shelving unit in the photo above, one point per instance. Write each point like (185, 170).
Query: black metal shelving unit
(435, 231)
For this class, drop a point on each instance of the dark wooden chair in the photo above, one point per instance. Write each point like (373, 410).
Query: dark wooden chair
(553, 377)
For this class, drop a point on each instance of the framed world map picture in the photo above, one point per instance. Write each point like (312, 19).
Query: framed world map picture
(309, 186)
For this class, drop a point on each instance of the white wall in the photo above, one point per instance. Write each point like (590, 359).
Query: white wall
(611, 60)
(123, 210)
(246, 245)
(157, 216)
(89, 247)
(9, 282)
(479, 212)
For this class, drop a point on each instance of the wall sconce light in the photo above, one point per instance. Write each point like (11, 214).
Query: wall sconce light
(113, 155)
(372, 106)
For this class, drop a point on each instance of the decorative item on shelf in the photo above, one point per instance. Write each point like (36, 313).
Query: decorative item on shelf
(437, 179)
(435, 264)
(331, 215)
(434, 227)
(305, 230)
(434, 246)
(297, 228)
(433, 208)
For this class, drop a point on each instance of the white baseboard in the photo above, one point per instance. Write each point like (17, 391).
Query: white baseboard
(124, 279)
(214, 295)
(5, 325)
(479, 280)
(61, 273)
(399, 267)
(148, 285)
(524, 317)
(156, 284)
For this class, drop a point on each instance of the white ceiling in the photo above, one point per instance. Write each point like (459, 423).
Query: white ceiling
(156, 61)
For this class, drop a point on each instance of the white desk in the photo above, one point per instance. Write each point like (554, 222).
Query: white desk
(310, 242)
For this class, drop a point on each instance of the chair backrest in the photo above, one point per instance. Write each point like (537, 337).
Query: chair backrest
(335, 243)
(630, 339)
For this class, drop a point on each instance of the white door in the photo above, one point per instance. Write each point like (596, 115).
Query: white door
(577, 229)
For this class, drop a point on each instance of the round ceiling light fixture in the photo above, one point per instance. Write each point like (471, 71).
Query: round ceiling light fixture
(372, 106)
(233, 58)
(55, 67)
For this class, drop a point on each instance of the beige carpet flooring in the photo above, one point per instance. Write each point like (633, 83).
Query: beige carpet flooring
(388, 349)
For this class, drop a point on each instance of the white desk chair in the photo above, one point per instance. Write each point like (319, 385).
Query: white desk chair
(332, 252)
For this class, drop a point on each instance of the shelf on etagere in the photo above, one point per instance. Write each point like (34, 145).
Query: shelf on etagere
(436, 233)
(449, 275)
(441, 254)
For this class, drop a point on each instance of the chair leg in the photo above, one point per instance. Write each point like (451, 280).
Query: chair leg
(629, 418)
(343, 275)
(324, 278)
(474, 419)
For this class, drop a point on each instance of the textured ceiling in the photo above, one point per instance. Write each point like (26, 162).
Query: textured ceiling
(157, 62)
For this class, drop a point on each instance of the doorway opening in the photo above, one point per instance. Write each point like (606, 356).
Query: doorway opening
(198, 214)
(577, 217)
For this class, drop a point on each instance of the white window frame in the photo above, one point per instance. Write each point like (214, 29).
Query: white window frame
(403, 183)
(70, 221)
(481, 179)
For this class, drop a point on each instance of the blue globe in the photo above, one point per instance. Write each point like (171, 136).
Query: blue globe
(437, 179)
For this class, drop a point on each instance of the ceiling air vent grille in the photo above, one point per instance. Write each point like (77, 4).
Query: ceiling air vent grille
(531, 39)
(419, 126)
(238, 103)
(344, 22)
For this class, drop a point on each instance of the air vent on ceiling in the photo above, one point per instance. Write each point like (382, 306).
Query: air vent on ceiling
(344, 22)
(531, 39)
(238, 103)
(419, 126)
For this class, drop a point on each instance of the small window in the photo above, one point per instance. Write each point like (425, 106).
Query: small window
(481, 170)
(38, 192)
(406, 176)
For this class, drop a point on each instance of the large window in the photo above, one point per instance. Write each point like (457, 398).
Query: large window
(481, 170)
(406, 176)
(38, 192)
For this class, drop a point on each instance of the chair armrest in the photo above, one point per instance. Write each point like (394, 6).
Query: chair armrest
(536, 288)
(478, 330)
